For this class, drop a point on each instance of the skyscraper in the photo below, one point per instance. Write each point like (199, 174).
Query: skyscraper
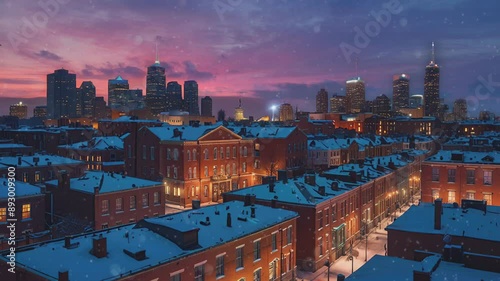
(40, 111)
(337, 103)
(61, 94)
(191, 97)
(382, 105)
(355, 94)
(86, 96)
(322, 101)
(460, 109)
(416, 101)
(174, 96)
(431, 87)
(400, 91)
(286, 112)
(206, 106)
(19, 110)
(156, 87)
(117, 89)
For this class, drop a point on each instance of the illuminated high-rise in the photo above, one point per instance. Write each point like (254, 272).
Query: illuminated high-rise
(337, 103)
(286, 112)
(156, 87)
(431, 87)
(61, 94)
(355, 95)
(322, 101)
(400, 91)
(86, 96)
(174, 96)
(19, 110)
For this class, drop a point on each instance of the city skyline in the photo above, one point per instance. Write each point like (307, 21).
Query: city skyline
(226, 50)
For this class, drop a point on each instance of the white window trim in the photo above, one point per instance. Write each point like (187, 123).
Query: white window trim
(200, 263)
(176, 272)
(240, 246)
(221, 254)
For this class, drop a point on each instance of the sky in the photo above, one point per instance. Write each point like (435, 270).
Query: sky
(264, 52)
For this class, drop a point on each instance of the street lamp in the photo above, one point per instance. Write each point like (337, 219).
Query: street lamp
(273, 108)
(327, 264)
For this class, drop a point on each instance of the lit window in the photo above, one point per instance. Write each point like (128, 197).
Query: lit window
(487, 176)
(320, 246)
(451, 196)
(488, 198)
(470, 195)
(37, 176)
(3, 214)
(435, 194)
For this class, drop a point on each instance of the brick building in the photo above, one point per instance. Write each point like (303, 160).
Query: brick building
(400, 125)
(316, 127)
(40, 167)
(335, 206)
(229, 241)
(104, 200)
(457, 175)
(14, 149)
(431, 227)
(29, 212)
(99, 153)
(198, 162)
(124, 124)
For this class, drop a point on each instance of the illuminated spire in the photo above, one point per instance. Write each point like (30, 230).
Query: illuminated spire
(157, 61)
(433, 59)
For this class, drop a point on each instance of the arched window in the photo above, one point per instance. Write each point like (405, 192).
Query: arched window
(195, 174)
(206, 171)
(190, 173)
(234, 169)
(221, 152)
(206, 153)
(244, 167)
(176, 154)
(168, 154)
(245, 151)
(194, 154)
(228, 152)
(215, 153)
(228, 169)
(188, 155)
(222, 172)
(215, 170)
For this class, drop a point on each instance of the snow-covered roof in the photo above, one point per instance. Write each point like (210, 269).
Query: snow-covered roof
(188, 133)
(267, 132)
(455, 222)
(98, 143)
(13, 145)
(133, 119)
(111, 182)
(472, 157)
(43, 160)
(21, 189)
(51, 257)
(385, 268)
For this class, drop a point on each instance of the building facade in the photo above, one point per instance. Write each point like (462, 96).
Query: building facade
(206, 107)
(431, 87)
(400, 91)
(19, 110)
(191, 97)
(61, 94)
(355, 94)
(322, 101)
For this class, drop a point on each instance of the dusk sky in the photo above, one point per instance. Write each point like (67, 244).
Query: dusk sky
(264, 52)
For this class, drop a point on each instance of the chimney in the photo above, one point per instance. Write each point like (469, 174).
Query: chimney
(63, 276)
(310, 179)
(249, 199)
(228, 220)
(99, 249)
(67, 242)
(392, 165)
(438, 209)
(271, 187)
(63, 182)
(19, 161)
(195, 204)
(282, 176)
(353, 176)
(252, 212)
(273, 203)
(340, 277)
(96, 190)
(321, 190)
(335, 186)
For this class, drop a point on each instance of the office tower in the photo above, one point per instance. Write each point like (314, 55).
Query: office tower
(460, 109)
(221, 115)
(431, 87)
(174, 96)
(286, 112)
(61, 94)
(239, 112)
(355, 94)
(400, 91)
(337, 103)
(117, 92)
(416, 101)
(19, 110)
(206, 106)
(156, 87)
(486, 116)
(99, 108)
(85, 97)
(322, 101)
(40, 111)
(382, 105)
(191, 97)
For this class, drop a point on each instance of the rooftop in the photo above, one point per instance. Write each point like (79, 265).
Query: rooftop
(111, 182)
(29, 161)
(147, 235)
(471, 222)
(21, 189)
(472, 157)
(97, 143)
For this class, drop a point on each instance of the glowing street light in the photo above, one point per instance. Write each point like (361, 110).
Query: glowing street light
(273, 108)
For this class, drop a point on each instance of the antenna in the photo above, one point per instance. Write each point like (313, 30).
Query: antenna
(356, 60)
(433, 58)
(157, 61)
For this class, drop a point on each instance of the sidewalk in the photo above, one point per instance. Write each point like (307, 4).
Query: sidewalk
(377, 241)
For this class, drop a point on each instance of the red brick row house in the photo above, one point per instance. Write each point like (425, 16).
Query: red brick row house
(229, 241)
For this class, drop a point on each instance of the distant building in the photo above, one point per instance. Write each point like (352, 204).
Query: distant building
(117, 89)
(431, 87)
(19, 110)
(322, 101)
(486, 115)
(174, 96)
(183, 118)
(206, 106)
(417, 112)
(337, 103)
(85, 95)
(416, 101)
(286, 112)
(239, 113)
(221, 115)
(191, 97)
(400, 91)
(156, 87)
(355, 94)
(100, 110)
(460, 109)
(61, 94)
(382, 106)
(40, 111)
